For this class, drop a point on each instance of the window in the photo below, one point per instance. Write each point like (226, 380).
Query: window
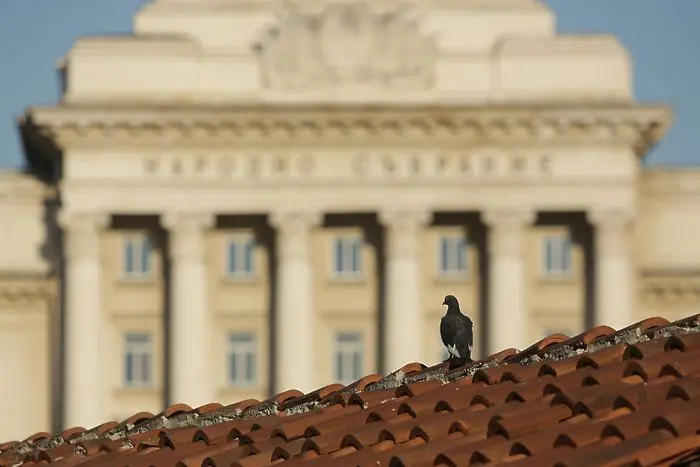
(242, 351)
(452, 255)
(348, 357)
(348, 256)
(240, 259)
(557, 255)
(138, 360)
(137, 256)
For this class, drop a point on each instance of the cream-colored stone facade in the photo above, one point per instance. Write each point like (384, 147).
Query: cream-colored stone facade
(247, 196)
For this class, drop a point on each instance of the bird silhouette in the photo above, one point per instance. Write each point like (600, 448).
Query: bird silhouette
(457, 332)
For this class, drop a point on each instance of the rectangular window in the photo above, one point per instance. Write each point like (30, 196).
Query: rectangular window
(240, 261)
(557, 255)
(348, 357)
(452, 255)
(347, 261)
(137, 256)
(242, 359)
(138, 360)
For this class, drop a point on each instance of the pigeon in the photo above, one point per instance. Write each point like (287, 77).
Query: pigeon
(457, 332)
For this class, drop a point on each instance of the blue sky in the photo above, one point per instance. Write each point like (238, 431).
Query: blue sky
(663, 37)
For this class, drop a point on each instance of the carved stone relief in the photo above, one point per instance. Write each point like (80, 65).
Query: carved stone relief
(345, 44)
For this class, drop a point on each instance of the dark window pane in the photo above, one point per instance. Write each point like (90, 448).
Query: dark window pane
(129, 256)
(357, 365)
(339, 255)
(232, 258)
(249, 257)
(146, 255)
(146, 368)
(250, 367)
(128, 368)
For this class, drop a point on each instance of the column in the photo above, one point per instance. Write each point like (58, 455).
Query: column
(404, 317)
(189, 326)
(614, 274)
(295, 317)
(507, 317)
(83, 387)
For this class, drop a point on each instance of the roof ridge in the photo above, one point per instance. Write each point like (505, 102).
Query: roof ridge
(588, 349)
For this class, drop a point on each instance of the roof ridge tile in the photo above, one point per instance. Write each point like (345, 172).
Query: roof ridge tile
(520, 407)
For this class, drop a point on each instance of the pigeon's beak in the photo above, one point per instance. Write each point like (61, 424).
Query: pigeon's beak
(444, 302)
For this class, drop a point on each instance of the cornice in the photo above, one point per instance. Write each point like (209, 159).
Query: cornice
(670, 285)
(670, 181)
(17, 187)
(26, 290)
(636, 126)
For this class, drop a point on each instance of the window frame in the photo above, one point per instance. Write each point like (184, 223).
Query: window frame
(348, 352)
(249, 349)
(445, 242)
(137, 351)
(137, 250)
(233, 244)
(340, 244)
(560, 248)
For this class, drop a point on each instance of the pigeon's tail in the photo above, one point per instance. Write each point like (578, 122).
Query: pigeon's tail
(459, 362)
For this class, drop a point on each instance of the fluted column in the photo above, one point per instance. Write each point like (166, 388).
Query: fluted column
(507, 312)
(403, 329)
(295, 317)
(83, 323)
(191, 379)
(614, 272)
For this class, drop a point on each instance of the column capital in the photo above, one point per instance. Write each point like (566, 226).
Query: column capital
(185, 231)
(611, 218)
(293, 231)
(506, 229)
(508, 217)
(84, 221)
(612, 230)
(402, 227)
(188, 221)
(405, 219)
(295, 220)
(82, 232)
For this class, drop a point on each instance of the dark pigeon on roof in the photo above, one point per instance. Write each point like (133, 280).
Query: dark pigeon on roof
(457, 332)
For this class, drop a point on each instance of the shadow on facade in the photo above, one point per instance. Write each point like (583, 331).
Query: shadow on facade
(373, 235)
(581, 234)
(52, 252)
(477, 281)
(265, 238)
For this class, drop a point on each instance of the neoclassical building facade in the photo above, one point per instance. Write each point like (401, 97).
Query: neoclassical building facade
(248, 196)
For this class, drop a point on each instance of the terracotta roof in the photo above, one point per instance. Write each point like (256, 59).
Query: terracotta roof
(602, 398)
